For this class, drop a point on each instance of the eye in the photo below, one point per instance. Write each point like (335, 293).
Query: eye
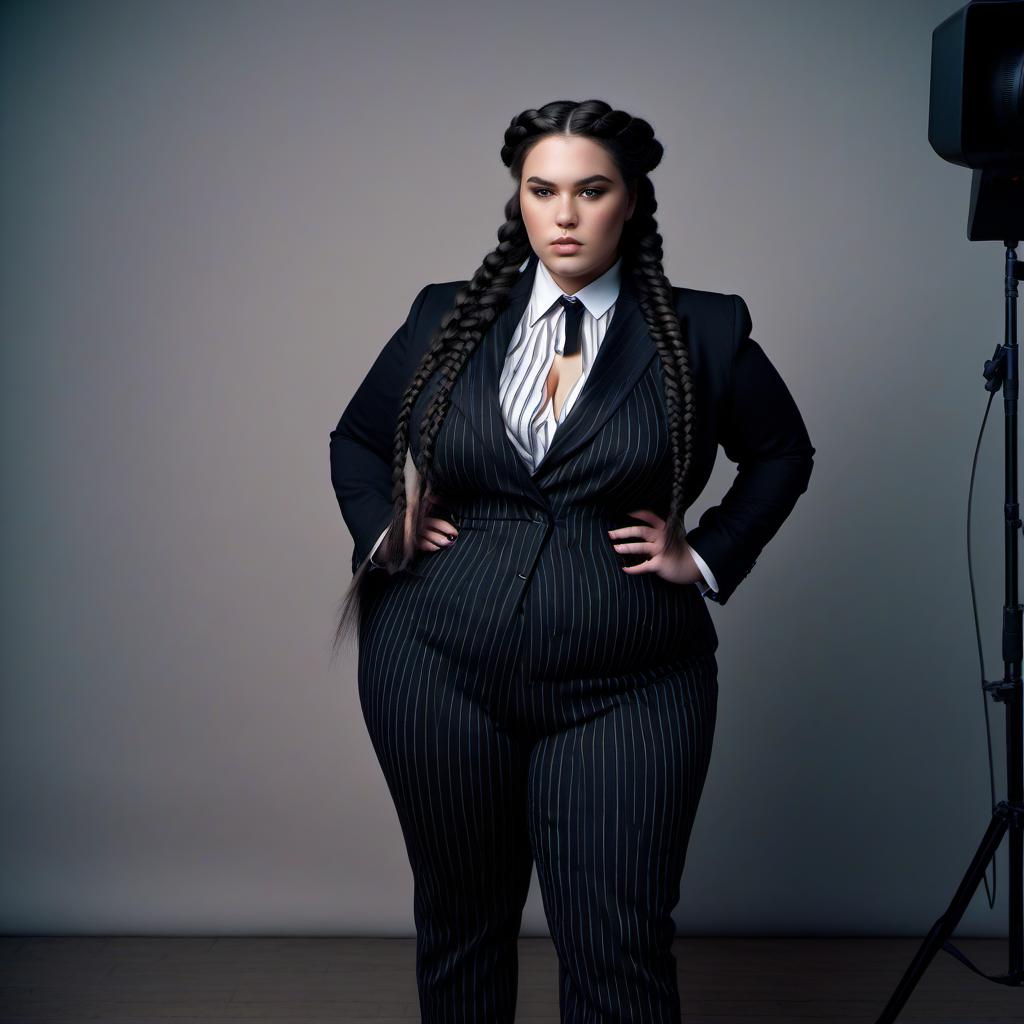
(597, 191)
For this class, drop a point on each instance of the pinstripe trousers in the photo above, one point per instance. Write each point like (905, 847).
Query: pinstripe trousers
(497, 761)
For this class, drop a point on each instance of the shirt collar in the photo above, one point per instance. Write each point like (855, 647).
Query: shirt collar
(597, 297)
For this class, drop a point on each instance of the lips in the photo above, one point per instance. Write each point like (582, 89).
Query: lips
(568, 240)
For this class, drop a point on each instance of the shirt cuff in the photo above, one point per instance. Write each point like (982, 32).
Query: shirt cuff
(373, 564)
(712, 583)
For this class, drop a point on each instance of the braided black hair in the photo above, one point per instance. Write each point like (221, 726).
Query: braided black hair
(636, 152)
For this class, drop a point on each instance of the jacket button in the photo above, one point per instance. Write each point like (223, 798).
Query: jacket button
(520, 575)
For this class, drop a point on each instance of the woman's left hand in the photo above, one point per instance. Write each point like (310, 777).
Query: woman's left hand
(678, 569)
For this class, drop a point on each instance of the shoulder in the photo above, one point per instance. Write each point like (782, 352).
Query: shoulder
(718, 311)
(444, 292)
(433, 301)
(720, 315)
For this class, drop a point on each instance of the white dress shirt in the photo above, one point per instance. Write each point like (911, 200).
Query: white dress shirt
(526, 405)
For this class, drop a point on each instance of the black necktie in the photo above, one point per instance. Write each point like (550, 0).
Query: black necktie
(573, 319)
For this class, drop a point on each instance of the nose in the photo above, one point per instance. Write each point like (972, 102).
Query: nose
(566, 218)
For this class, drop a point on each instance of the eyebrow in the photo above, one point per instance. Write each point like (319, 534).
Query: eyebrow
(582, 181)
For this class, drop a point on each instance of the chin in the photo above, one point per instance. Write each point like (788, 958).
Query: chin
(573, 261)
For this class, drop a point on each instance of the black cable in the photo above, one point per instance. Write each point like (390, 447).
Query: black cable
(981, 653)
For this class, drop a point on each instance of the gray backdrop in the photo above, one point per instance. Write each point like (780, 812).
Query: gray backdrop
(214, 217)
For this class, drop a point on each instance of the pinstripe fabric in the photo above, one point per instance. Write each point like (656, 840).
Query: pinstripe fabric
(530, 703)
(494, 771)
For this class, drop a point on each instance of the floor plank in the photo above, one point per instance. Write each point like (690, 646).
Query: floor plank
(65, 980)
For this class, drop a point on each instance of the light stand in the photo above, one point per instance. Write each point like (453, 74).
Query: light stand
(1008, 815)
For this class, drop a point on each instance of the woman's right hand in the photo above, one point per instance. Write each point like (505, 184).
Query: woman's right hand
(436, 534)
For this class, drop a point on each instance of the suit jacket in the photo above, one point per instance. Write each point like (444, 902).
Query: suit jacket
(609, 455)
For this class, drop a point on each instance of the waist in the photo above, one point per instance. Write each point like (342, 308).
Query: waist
(504, 510)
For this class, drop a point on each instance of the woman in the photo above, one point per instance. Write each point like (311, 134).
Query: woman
(537, 665)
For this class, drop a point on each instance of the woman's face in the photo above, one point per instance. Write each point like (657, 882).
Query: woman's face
(570, 186)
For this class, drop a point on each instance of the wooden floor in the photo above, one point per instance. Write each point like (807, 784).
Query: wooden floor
(330, 981)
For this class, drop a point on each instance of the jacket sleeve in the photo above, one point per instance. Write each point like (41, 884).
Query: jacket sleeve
(763, 433)
(362, 443)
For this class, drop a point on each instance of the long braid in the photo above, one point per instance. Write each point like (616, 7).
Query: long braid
(636, 151)
(658, 305)
(490, 287)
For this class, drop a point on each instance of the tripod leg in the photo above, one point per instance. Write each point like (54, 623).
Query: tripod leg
(943, 928)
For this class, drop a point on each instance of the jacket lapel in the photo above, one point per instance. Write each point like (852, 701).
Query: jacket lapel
(624, 355)
(625, 352)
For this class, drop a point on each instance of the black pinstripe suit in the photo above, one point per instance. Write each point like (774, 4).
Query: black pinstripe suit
(528, 701)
